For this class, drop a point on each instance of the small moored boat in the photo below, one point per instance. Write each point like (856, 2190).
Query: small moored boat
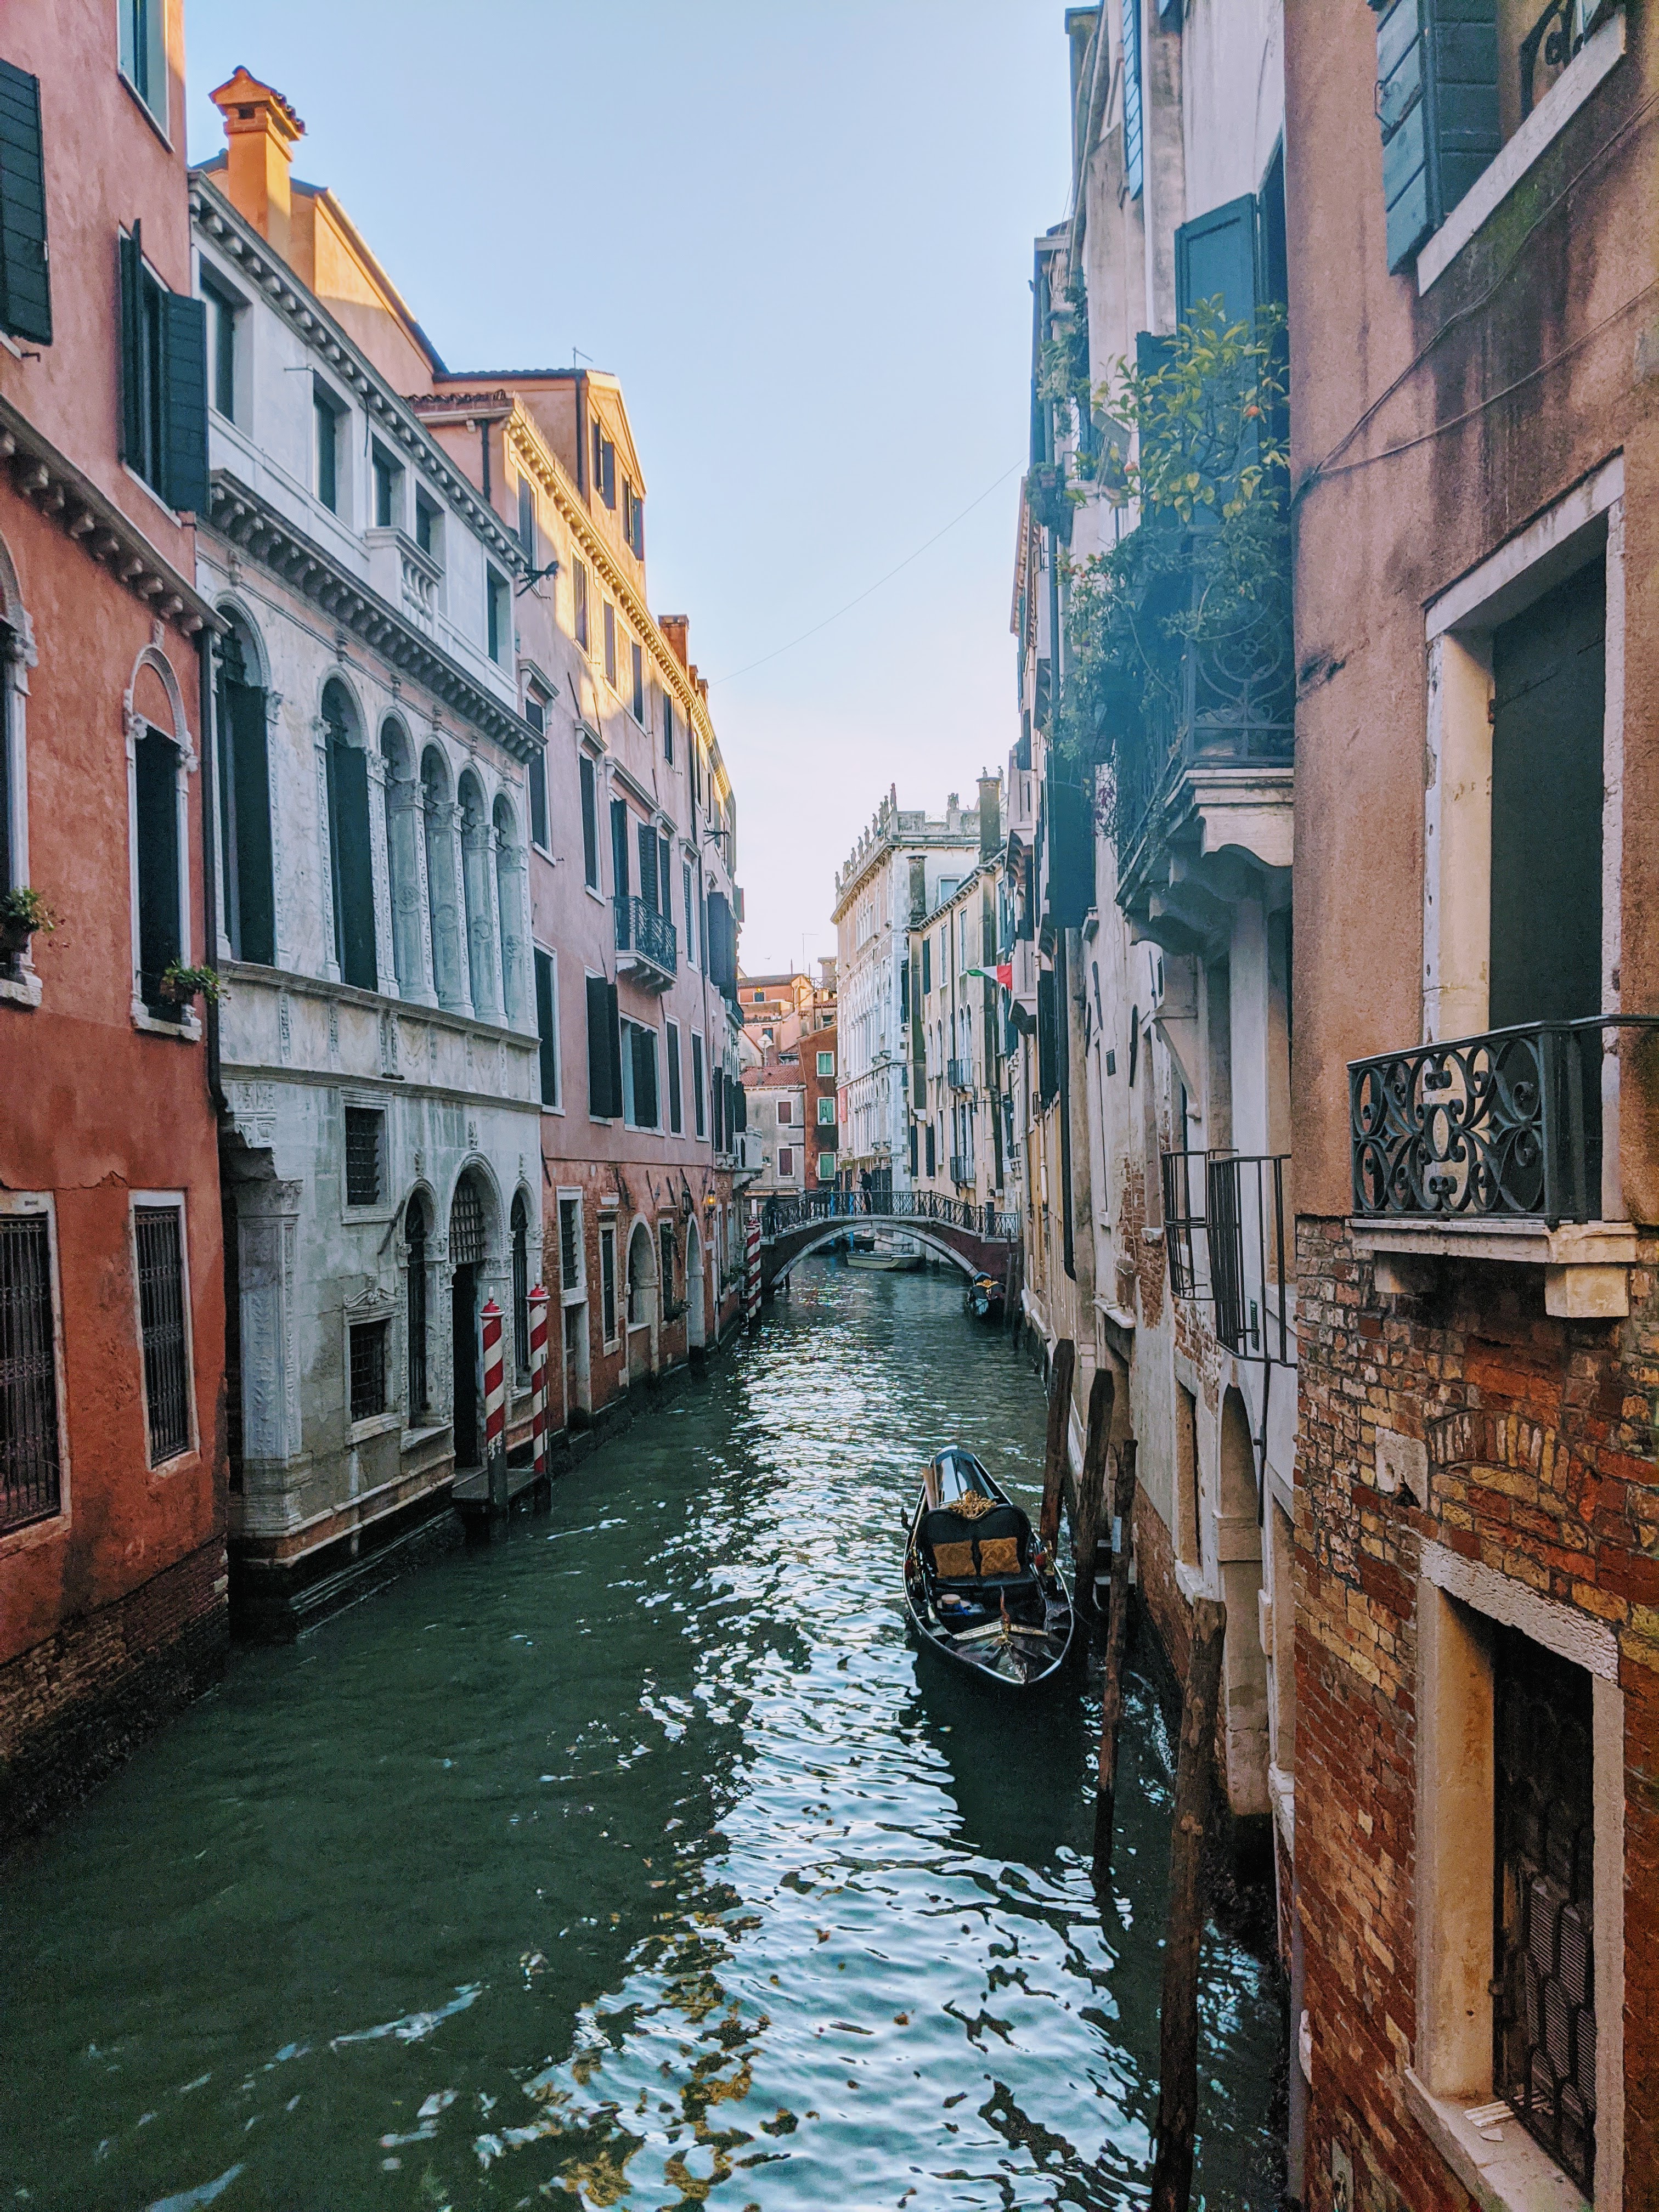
(888, 1255)
(978, 1588)
(983, 1299)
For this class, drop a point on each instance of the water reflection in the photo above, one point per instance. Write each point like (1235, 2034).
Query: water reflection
(638, 1860)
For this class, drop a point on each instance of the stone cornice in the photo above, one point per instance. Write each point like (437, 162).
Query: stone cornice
(311, 322)
(53, 484)
(251, 523)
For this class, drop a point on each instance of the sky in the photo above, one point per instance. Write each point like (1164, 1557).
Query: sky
(800, 231)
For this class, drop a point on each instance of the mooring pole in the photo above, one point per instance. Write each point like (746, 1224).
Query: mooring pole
(495, 1408)
(1178, 2078)
(1054, 1454)
(1092, 1489)
(1111, 1688)
(538, 1304)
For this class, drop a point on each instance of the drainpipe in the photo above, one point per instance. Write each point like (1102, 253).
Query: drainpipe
(209, 852)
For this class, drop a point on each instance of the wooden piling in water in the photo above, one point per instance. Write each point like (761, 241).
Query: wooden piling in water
(1177, 2077)
(1117, 1634)
(1091, 1489)
(1054, 1454)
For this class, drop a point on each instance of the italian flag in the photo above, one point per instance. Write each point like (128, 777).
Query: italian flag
(1004, 974)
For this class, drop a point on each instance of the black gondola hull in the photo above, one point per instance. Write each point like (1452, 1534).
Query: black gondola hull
(1012, 1654)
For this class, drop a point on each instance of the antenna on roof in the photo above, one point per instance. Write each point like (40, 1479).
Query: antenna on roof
(576, 356)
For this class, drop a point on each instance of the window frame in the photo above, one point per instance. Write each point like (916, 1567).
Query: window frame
(674, 1083)
(159, 1201)
(386, 471)
(826, 1064)
(548, 1045)
(498, 618)
(137, 69)
(187, 1027)
(572, 1294)
(699, 1104)
(225, 310)
(588, 773)
(45, 1526)
(326, 403)
(379, 1207)
(581, 626)
(371, 1416)
(636, 680)
(608, 627)
(609, 1306)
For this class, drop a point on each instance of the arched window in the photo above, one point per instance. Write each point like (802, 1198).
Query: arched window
(250, 902)
(641, 1276)
(439, 810)
(509, 897)
(350, 868)
(16, 655)
(419, 1395)
(520, 1284)
(478, 890)
(402, 806)
(158, 803)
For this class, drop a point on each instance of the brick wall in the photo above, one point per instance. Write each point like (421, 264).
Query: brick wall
(1540, 1444)
(73, 1705)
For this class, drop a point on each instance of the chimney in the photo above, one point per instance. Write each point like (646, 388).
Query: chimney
(990, 811)
(676, 629)
(261, 129)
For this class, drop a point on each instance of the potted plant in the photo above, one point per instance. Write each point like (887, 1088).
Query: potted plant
(23, 913)
(180, 984)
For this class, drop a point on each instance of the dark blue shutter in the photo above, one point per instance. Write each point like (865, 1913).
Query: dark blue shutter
(1070, 880)
(355, 884)
(590, 824)
(24, 278)
(1216, 257)
(613, 1039)
(598, 1051)
(185, 402)
(245, 706)
(647, 837)
(1436, 75)
(544, 1027)
(619, 846)
(156, 834)
(538, 798)
(131, 254)
(671, 1046)
(717, 1100)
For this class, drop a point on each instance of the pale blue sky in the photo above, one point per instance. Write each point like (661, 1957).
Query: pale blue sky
(800, 234)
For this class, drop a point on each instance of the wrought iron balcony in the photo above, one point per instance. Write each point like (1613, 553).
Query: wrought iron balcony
(1504, 1125)
(649, 939)
(1224, 1229)
(959, 1074)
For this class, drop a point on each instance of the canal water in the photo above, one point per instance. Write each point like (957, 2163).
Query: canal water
(637, 1859)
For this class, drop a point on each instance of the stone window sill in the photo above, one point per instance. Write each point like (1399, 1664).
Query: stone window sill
(1510, 2174)
(1585, 1263)
(377, 1424)
(186, 1032)
(22, 990)
(1547, 120)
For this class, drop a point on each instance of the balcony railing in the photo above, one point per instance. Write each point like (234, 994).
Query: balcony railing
(959, 1074)
(1224, 1229)
(962, 1167)
(780, 1214)
(648, 934)
(1503, 1126)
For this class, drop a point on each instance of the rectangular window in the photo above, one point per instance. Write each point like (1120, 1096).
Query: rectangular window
(826, 1063)
(535, 713)
(368, 1348)
(428, 527)
(164, 382)
(690, 921)
(498, 616)
(388, 490)
(668, 726)
(826, 1112)
(325, 426)
(604, 467)
(785, 1112)
(698, 1116)
(579, 602)
(30, 1475)
(926, 966)
(717, 1099)
(24, 275)
(155, 789)
(786, 1160)
(570, 1244)
(157, 1231)
(590, 825)
(1187, 1531)
(610, 645)
(640, 1106)
(547, 1026)
(143, 53)
(933, 1154)
(222, 311)
(636, 654)
(648, 887)
(666, 1248)
(608, 1283)
(527, 518)
(671, 1047)
(604, 1062)
(620, 884)
(365, 1133)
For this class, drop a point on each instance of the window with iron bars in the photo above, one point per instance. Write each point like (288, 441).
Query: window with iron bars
(161, 1324)
(1225, 1211)
(368, 1348)
(30, 1477)
(570, 1253)
(365, 1127)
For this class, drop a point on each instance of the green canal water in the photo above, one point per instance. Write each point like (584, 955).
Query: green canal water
(638, 1859)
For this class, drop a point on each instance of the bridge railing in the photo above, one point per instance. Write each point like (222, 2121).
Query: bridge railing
(806, 1209)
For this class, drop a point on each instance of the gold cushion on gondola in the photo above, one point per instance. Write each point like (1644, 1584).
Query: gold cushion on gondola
(954, 1561)
(998, 1555)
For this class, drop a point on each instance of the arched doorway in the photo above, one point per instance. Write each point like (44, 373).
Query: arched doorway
(468, 1238)
(643, 1307)
(417, 1230)
(1238, 1549)
(697, 1326)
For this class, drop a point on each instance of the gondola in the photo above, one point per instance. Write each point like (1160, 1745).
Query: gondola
(982, 1299)
(977, 1587)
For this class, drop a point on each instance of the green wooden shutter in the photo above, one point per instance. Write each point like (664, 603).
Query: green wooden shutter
(619, 846)
(1070, 883)
(544, 1027)
(613, 1045)
(25, 277)
(250, 771)
(1437, 75)
(672, 1049)
(156, 786)
(600, 1103)
(590, 825)
(185, 402)
(130, 250)
(1216, 256)
(352, 867)
(647, 837)
(1047, 1041)
(645, 1078)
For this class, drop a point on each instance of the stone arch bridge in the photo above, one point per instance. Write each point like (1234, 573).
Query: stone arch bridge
(978, 1239)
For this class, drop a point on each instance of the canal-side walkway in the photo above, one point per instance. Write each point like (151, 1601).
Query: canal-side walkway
(635, 1858)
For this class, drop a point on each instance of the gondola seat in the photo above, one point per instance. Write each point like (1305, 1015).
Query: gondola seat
(987, 1556)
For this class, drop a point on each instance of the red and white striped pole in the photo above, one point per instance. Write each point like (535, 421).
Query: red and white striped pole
(538, 1380)
(495, 1405)
(752, 1270)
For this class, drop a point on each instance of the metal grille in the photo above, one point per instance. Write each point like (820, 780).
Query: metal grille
(466, 1225)
(161, 1322)
(570, 1274)
(520, 1288)
(369, 1369)
(29, 1482)
(608, 1281)
(665, 1245)
(418, 1382)
(363, 1127)
(1544, 2000)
